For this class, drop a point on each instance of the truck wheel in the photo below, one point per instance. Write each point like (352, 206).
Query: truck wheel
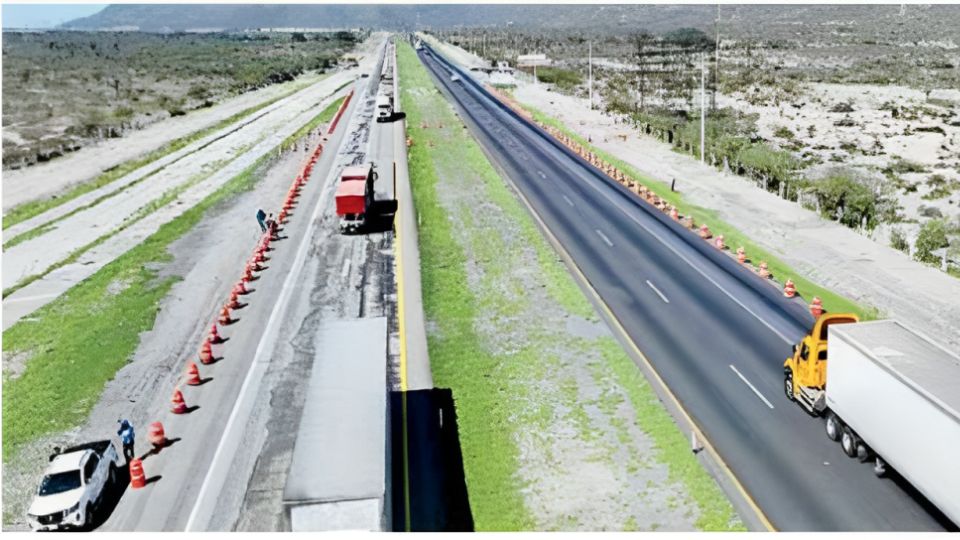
(863, 453)
(88, 515)
(834, 427)
(788, 386)
(849, 442)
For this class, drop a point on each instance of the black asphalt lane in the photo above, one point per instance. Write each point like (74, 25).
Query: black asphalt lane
(717, 315)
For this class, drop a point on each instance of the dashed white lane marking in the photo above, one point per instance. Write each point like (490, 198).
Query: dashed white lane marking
(748, 383)
(656, 290)
(346, 269)
(568, 200)
(542, 175)
(604, 237)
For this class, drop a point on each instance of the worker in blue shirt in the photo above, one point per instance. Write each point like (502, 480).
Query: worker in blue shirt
(126, 437)
(261, 215)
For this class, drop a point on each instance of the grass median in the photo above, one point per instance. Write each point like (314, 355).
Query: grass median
(75, 345)
(471, 277)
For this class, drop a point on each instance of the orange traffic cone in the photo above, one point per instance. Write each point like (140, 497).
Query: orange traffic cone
(248, 274)
(674, 214)
(206, 354)
(234, 302)
(816, 307)
(156, 436)
(214, 336)
(719, 242)
(193, 374)
(239, 288)
(225, 316)
(137, 478)
(741, 255)
(764, 272)
(178, 406)
(704, 231)
(789, 289)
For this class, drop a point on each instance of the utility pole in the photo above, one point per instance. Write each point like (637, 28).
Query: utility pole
(590, 70)
(703, 104)
(716, 68)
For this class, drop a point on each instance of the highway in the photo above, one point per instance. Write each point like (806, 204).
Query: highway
(715, 333)
(231, 458)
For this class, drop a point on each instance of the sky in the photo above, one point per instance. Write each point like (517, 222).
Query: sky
(44, 15)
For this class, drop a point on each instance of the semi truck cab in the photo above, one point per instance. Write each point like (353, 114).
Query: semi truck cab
(805, 373)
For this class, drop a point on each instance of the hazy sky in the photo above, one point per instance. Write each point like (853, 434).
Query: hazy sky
(44, 15)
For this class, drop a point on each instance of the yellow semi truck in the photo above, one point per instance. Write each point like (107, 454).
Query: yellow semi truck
(888, 393)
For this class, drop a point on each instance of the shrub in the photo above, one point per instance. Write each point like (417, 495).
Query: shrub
(898, 240)
(933, 236)
(563, 78)
(783, 132)
(844, 198)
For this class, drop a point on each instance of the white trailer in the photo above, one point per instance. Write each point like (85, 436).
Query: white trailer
(894, 395)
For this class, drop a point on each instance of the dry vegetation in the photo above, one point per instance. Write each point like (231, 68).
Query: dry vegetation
(64, 89)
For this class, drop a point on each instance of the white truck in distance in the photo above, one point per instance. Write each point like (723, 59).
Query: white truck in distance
(384, 108)
(73, 486)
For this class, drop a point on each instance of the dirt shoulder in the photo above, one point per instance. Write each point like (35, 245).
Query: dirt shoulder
(829, 253)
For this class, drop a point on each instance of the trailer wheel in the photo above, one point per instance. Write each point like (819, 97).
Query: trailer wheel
(834, 426)
(788, 386)
(863, 453)
(849, 442)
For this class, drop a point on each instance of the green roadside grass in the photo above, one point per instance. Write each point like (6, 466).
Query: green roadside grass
(491, 406)
(734, 238)
(31, 209)
(75, 345)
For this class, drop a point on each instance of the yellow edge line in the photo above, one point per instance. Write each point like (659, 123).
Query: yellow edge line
(619, 327)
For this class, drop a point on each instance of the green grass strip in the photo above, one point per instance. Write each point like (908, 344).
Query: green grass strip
(734, 238)
(76, 344)
(31, 209)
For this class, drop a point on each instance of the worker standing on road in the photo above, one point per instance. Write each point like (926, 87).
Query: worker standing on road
(126, 437)
(261, 215)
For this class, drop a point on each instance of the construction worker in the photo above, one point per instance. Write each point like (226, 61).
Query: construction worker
(271, 225)
(261, 215)
(126, 437)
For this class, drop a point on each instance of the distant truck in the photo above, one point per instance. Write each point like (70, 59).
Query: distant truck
(354, 197)
(73, 486)
(384, 108)
(887, 393)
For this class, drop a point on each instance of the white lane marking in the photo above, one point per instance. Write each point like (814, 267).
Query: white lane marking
(288, 287)
(752, 387)
(605, 239)
(346, 269)
(542, 175)
(568, 200)
(656, 290)
(30, 298)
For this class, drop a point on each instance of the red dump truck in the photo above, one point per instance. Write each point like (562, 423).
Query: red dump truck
(354, 196)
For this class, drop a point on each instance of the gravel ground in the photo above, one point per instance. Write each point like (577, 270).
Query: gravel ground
(827, 252)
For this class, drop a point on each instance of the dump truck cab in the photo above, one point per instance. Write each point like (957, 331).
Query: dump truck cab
(354, 196)
(805, 372)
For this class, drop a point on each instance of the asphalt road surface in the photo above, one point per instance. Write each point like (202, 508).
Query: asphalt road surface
(714, 332)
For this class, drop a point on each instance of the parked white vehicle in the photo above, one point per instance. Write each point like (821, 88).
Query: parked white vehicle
(384, 108)
(73, 485)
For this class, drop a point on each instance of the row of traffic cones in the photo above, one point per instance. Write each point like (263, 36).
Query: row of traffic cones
(762, 270)
(192, 376)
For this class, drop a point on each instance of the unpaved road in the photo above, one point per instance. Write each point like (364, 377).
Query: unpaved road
(195, 175)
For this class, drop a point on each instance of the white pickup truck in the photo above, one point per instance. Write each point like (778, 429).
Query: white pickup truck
(73, 486)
